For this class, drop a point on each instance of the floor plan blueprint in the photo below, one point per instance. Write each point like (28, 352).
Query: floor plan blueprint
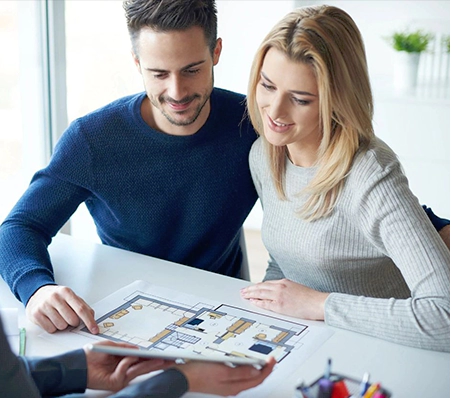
(153, 323)
(154, 317)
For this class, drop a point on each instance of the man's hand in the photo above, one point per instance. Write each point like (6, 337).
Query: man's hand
(111, 372)
(55, 308)
(209, 378)
(288, 298)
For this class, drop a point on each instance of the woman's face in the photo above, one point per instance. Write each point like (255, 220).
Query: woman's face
(287, 96)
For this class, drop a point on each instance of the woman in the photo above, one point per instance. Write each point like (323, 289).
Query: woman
(348, 241)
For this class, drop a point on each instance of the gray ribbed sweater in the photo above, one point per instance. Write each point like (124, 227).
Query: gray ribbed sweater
(378, 254)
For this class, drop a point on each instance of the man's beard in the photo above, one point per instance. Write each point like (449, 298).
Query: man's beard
(162, 100)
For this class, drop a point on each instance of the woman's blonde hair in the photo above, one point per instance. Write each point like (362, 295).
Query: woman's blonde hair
(327, 39)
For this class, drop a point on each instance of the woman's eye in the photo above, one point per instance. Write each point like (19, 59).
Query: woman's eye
(267, 86)
(300, 101)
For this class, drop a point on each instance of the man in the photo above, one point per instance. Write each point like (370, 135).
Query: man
(163, 173)
(77, 370)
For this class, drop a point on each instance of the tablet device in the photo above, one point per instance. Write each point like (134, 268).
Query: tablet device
(178, 358)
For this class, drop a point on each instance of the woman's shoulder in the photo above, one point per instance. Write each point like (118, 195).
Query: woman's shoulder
(374, 160)
(257, 150)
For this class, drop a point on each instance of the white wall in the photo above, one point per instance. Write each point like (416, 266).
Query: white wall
(242, 25)
(416, 127)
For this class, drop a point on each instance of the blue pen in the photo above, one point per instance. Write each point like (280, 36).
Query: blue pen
(365, 383)
(328, 369)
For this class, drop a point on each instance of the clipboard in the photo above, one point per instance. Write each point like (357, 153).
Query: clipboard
(183, 357)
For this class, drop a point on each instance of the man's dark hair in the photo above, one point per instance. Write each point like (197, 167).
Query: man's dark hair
(168, 15)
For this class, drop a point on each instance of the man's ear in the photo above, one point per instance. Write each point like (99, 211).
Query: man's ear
(136, 61)
(217, 51)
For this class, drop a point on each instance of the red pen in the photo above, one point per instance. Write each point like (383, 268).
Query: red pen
(339, 390)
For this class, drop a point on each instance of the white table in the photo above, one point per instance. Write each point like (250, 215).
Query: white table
(94, 271)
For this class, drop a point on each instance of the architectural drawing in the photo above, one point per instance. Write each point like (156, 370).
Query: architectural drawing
(161, 318)
(157, 323)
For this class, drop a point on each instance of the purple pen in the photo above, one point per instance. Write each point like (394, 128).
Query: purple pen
(325, 387)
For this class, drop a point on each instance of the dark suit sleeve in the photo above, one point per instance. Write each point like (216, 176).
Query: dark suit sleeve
(15, 382)
(54, 376)
(67, 373)
(60, 374)
(168, 384)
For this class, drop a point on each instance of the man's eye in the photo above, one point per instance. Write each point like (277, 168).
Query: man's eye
(192, 71)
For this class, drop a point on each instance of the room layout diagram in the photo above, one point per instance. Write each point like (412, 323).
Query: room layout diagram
(158, 323)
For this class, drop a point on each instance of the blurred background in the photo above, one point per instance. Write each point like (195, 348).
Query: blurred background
(64, 58)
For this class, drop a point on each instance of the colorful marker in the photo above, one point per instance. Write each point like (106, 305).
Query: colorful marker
(372, 390)
(365, 383)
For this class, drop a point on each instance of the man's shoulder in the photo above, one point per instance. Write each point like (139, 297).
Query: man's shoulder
(118, 105)
(227, 97)
(116, 116)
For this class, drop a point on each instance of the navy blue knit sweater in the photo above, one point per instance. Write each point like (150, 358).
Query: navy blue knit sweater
(178, 198)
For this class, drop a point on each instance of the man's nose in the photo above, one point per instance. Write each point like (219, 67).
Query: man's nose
(177, 88)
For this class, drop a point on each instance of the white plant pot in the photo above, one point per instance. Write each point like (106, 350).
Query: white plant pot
(406, 72)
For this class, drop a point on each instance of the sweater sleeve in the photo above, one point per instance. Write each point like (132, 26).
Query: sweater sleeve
(392, 219)
(436, 221)
(273, 272)
(168, 384)
(52, 197)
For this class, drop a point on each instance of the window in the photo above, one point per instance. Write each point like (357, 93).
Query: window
(99, 70)
(23, 143)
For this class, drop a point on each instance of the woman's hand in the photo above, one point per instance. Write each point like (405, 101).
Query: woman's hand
(288, 298)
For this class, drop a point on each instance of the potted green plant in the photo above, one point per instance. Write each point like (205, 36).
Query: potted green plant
(446, 43)
(408, 46)
(410, 42)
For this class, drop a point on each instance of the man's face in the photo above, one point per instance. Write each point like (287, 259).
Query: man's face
(177, 71)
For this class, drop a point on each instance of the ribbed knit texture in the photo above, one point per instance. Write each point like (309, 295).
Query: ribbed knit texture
(378, 254)
(179, 198)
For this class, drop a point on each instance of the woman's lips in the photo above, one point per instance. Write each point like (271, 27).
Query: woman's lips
(277, 126)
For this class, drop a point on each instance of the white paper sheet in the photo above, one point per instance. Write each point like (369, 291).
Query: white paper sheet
(157, 318)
